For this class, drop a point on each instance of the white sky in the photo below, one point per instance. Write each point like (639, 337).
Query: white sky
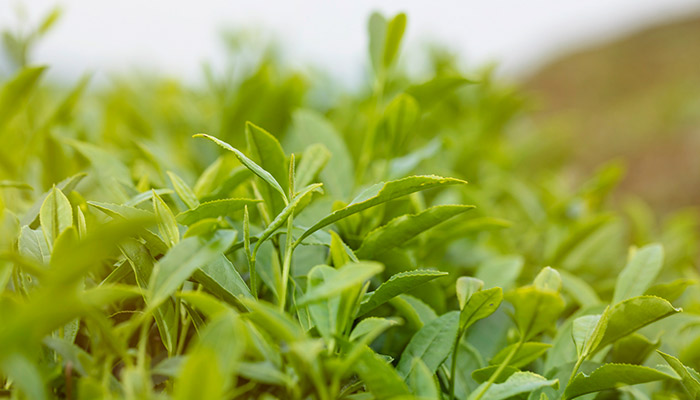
(174, 37)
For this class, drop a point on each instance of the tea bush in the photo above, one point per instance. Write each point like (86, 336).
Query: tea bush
(330, 248)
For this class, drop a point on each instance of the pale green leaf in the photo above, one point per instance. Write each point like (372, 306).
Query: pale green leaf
(689, 382)
(214, 209)
(612, 376)
(313, 159)
(396, 285)
(632, 314)
(182, 260)
(381, 193)
(639, 273)
(221, 278)
(527, 353)
(183, 190)
(400, 230)
(519, 382)
(250, 164)
(55, 216)
(351, 274)
(310, 128)
(465, 287)
(479, 306)
(266, 151)
(432, 343)
(167, 226)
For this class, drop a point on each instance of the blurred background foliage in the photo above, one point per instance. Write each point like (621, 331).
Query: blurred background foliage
(544, 169)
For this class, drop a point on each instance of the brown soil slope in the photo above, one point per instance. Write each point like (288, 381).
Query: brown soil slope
(638, 99)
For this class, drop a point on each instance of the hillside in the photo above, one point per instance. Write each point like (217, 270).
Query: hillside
(636, 98)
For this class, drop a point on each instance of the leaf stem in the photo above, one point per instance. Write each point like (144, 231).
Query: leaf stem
(500, 369)
(286, 266)
(453, 367)
(573, 372)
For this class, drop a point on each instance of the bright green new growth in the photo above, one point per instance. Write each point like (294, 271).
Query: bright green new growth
(319, 256)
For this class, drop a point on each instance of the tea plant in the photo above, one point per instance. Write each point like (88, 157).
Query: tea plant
(322, 259)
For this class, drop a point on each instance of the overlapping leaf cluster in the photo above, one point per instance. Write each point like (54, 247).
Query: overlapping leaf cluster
(320, 258)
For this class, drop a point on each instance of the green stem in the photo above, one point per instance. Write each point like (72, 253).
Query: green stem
(143, 341)
(573, 372)
(286, 266)
(253, 276)
(453, 367)
(500, 369)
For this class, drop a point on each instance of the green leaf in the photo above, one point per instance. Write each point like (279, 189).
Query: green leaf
(205, 227)
(548, 279)
(55, 216)
(121, 211)
(147, 195)
(519, 382)
(433, 91)
(612, 376)
(484, 374)
(311, 128)
(32, 244)
(351, 274)
(267, 152)
(479, 306)
(587, 332)
(166, 221)
(325, 313)
(632, 314)
(396, 285)
(432, 344)
(200, 376)
(15, 185)
(282, 217)
(380, 377)
(206, 303)
(25, 375)
(500, 271)
(465, 287)
(394, 32)
(377, 28)
(633, 349)
(527, 353)
(107, 164)
(689, 382)
(15, 93)
(81, 360)
(265, 372)
(577, 288)
(671, 291)
(401, 117)
(422, 381)
(183, 190)
(273, 321)
(250, 164)
(339, 254)
(314, 158)
(165, 314)
(400, 230)
(369, 328)
(381, 193)
(639, 273)
(416, 312)
(221, 278)
(214, 209)
(535, 310)
(31, 217)
(182, 260)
